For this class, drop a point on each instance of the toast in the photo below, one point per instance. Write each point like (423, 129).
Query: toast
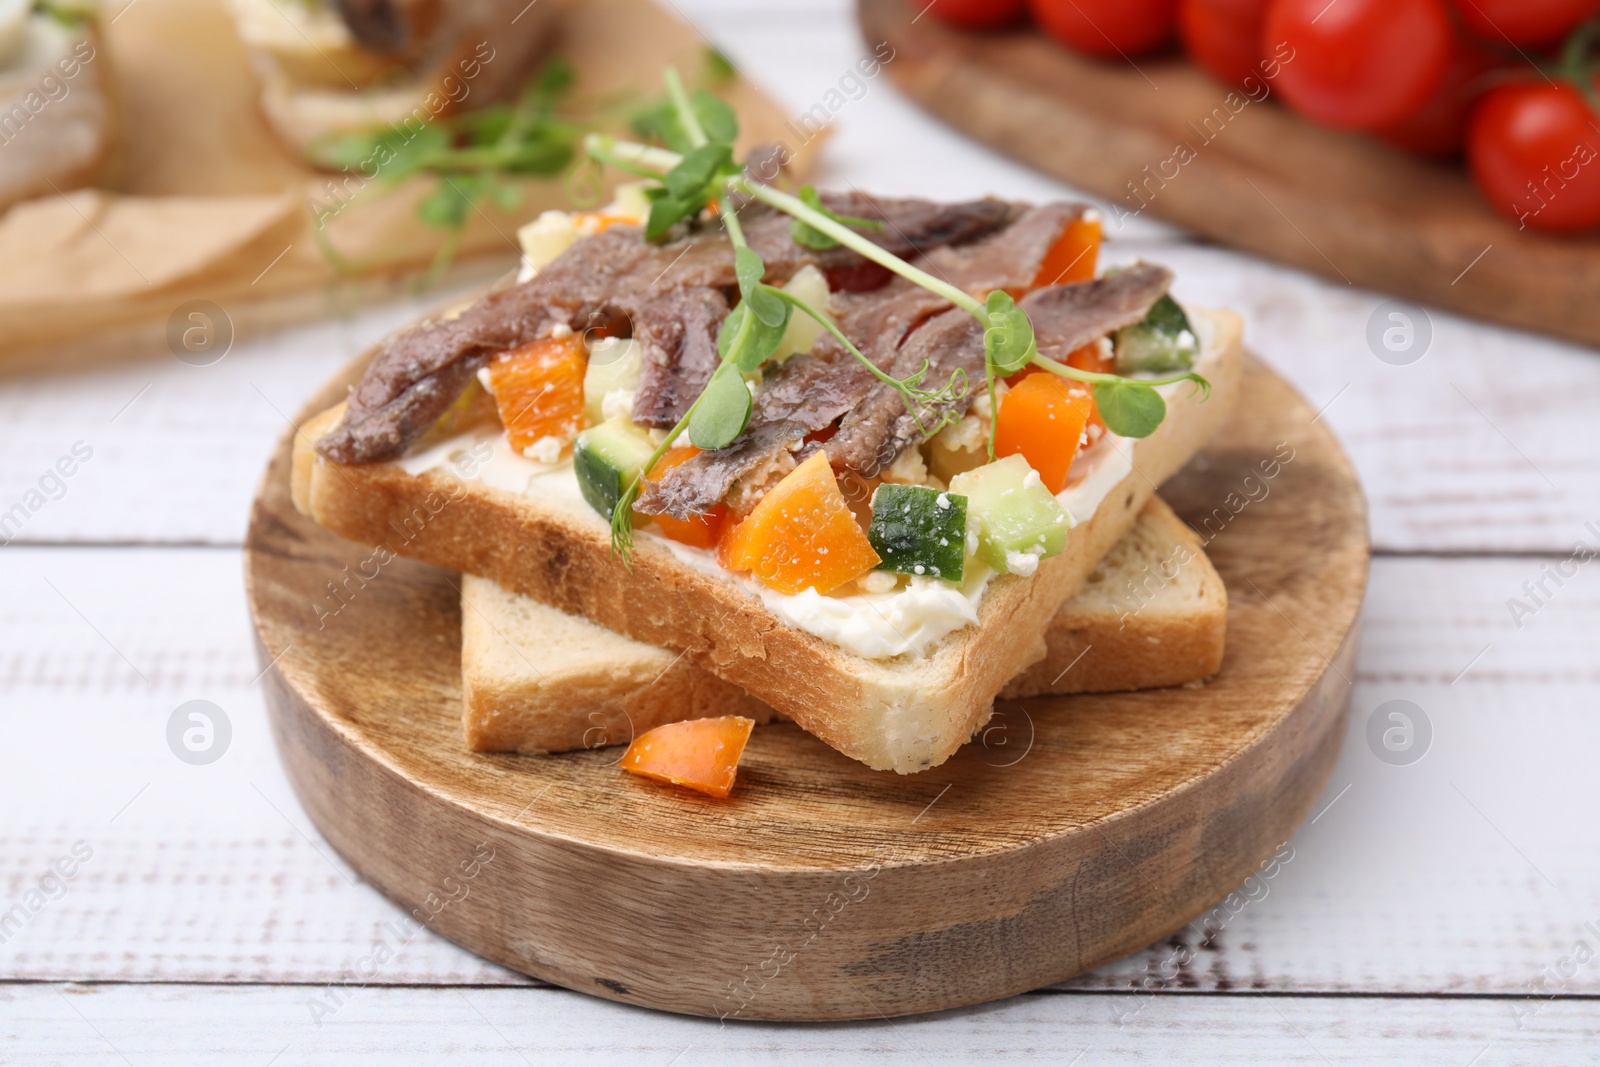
(328, 69)
(56, 114)
(537, 680)
(905, 713)
(1154, 613)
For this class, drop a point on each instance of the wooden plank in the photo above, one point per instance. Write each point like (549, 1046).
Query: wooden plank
(1020, 878)
(1151, 134)
(213, 873)
(253, 1025)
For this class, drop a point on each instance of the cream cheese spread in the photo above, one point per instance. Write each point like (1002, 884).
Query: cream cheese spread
(914, 615)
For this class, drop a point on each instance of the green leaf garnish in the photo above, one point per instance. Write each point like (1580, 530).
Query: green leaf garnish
(473, 154)
(666, 211)
(691, 179)
(716, 67)
(747, 342)
(450, 203)
(1129, 408)
(700, 128)
(716, 117)
(1007, 334)
(749, 269)
(808, 236)
(723, 410)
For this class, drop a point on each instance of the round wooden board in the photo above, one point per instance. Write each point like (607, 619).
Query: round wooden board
(1160, 136)
(1075, 831)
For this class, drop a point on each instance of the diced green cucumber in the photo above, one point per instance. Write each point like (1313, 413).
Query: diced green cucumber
(1013, 515)
(607, 458)
(918, 530)
(613, 364)
(808, 284)
(1160, 343)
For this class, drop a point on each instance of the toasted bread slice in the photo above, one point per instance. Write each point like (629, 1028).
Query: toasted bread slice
(318, 80)
(534, 679)
(56, 113)
(1153, 613)
(907, 713)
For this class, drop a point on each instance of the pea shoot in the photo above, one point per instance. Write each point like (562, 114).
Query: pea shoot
(698, 173)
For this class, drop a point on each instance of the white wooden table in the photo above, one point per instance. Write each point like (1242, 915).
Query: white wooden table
(1443, 911)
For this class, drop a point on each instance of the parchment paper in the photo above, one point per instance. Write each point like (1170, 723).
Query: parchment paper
(200, 199)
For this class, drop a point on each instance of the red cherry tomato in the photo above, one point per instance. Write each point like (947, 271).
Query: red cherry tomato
(1535, 152)
(1243, 9)
(1359, 64)
(1223, 36)
(979, 14)
(1112, 29)
(1438, 129)
(1531, 22)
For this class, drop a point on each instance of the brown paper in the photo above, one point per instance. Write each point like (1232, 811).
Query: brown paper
(202, 201)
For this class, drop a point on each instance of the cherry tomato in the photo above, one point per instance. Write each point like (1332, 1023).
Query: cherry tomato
(1113, 29)
(979, 14)
(1438, 129)
(1531, 22)
(1223, 36)
(1359, 64)
(1535, 152)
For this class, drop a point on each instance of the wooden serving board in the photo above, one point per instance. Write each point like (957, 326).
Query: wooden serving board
(1257, 177)
(1071, 832)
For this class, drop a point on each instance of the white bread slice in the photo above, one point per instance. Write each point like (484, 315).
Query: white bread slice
(1153, 613)
(317, 81)
(56, 117)
(905, 714)
(534, 679)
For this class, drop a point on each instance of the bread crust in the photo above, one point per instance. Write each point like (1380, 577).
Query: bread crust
(304, 106)
(536, 680)
(906, 714)
(1154, 613)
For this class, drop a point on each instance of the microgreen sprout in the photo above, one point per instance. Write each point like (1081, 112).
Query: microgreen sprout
(697, 173)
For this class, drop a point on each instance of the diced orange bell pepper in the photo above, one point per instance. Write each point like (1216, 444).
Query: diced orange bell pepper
(1072, 258)
(592, 222)
(538, 389)
(1088, 358)
(699, 754)
(803, 534)
(701, 531)
(1042, 419)
(1091, 358)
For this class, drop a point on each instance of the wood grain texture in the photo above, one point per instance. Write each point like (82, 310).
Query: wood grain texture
(1401, 896)
(1161, 137)
(248, 1027)
(1122, 818)
(215, 874)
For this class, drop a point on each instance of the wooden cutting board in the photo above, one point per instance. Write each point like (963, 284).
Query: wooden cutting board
(1073, 831)
(1244, 173)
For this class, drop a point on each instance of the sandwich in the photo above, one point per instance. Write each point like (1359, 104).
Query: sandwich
(848, 454)
(334, 67)
(535, 679)
(56, 118)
